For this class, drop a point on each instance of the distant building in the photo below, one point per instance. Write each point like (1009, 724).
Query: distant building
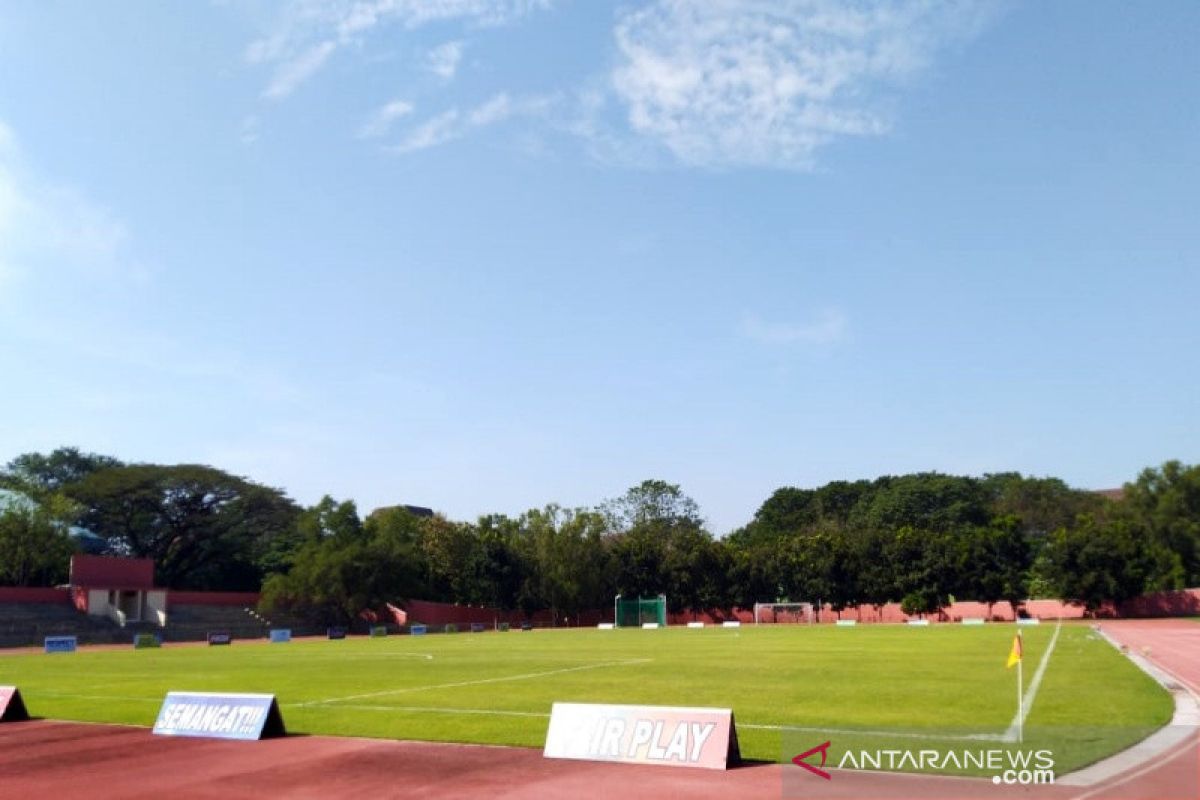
(120, 588)
(1111, 494)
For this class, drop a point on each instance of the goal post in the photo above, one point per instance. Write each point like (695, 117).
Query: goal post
(781, 613)
(634, 612)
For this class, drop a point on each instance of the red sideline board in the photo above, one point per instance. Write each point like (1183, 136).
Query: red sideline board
(12, 707)
(664, 735)
(219, 716)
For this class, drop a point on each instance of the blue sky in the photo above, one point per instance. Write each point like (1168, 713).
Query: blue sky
(487, 254)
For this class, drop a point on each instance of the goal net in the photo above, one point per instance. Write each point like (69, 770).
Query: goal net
(794, 613)
(634, 612)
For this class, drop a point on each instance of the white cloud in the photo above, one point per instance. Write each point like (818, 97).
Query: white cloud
(454, 124)
(381, 121)
(295, 71)
(310, 32)
(767, 82)
(494, 110)
(443, 60)
(827, 327)
(432, 132)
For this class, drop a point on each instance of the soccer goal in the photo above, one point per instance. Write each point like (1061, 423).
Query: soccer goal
(794, 613)
(634, 612)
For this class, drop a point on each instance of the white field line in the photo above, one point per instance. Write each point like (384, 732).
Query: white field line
(490, 712)
(964, 737)
(365, 656)
(1031, 692)
(480, 682)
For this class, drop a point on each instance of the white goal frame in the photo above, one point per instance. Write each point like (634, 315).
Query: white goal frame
(803, 610)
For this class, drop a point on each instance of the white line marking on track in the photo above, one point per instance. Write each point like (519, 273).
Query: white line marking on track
(1031, 691)
(1186, 746)
(480, 682)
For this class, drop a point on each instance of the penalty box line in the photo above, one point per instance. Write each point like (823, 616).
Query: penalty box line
(482, 681)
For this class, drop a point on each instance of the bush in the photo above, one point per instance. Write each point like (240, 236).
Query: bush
(451, 627)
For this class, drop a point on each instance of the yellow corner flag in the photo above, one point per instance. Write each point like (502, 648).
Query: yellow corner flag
(1014, 656)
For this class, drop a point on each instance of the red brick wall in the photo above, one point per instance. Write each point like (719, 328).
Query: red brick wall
(241, 599)
(34, 594)
(106, 572)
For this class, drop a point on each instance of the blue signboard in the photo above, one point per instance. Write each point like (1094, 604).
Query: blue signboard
(477, 627)
(336, 633)
(281, 634)
(417, 630)
(220, 637)
(60, 644)
(219, 716)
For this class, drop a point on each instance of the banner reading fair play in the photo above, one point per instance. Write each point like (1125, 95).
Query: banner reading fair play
(670, 736)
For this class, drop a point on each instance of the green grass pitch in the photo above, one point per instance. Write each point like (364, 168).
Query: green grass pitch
(497, 688)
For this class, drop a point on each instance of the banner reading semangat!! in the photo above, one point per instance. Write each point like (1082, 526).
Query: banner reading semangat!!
(219, 716)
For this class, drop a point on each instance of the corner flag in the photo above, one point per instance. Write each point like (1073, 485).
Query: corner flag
(1014, 656)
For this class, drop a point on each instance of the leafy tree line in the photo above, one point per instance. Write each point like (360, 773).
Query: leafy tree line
(919, 539)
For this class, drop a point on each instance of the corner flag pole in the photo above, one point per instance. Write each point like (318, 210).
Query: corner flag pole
(1020, 700)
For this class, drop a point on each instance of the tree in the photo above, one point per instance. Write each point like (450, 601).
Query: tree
(655, 529)
(327, 519)
(1040, 505)
(569, 563)
(927, 567)
(1164, 504)
(336, 575)
(754, 575)
(35, 548)
(929, 501)
(47, 474)
(997, 563)
(503, 569)
(204, 528)
(652, 502)
(876, 574)
(1099, 563)
(694, 569)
